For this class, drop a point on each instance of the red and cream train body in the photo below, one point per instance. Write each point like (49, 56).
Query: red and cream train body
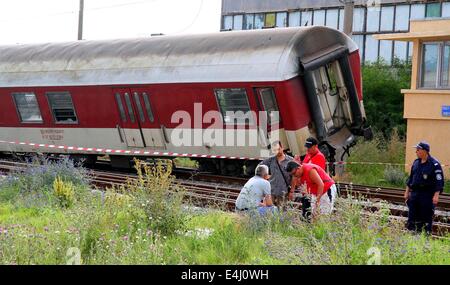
(121, 97)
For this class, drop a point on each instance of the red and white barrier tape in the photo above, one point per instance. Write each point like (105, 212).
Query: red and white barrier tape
(373, 163)
(175, 154)
(120, 151)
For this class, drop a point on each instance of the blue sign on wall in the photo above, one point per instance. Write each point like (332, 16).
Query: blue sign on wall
(445, 111)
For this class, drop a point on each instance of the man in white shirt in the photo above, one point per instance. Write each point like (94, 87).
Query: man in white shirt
(256, 193)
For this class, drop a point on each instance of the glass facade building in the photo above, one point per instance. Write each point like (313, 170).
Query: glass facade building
(389, 17)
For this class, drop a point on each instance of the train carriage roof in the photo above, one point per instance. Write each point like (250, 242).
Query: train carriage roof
(235, 56)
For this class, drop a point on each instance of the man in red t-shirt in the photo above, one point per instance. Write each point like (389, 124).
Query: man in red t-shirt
(319, 184)
(313, 154)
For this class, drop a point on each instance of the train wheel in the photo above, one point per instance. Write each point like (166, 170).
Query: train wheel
(250, 167)
(208, 165)
(84, 160)
(232, 168)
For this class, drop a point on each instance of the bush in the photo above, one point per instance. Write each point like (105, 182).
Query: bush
(383, 101)
(395, 176)
(379, 150)
(64, 192)
(34, 186)
(156, 193)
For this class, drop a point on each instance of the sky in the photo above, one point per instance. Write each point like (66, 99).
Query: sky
(35, 21)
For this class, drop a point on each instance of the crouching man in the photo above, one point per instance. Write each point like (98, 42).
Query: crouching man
(319, 185)
(256, 193)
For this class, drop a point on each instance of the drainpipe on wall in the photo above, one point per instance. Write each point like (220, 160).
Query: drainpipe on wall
(348, 16)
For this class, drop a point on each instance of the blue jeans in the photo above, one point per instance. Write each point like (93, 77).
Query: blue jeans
(267, 210)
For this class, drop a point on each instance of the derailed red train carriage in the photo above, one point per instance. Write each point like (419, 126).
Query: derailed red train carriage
(127, 95)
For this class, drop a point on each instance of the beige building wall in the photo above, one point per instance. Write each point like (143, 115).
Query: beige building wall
(432, 132)
(423, 107)
(423, 111)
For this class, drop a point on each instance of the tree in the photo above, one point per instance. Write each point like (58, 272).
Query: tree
(383, 100)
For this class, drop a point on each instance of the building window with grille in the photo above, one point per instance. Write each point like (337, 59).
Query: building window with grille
(402, 18)
(306, 18)
(249, 22)
(259, 21)
(294, 19)
(270, 20)
(281, 19)
(62, 107)
(237, 22)
(387, 18)
(227, 23)
(373, 20)
(433, 10)
(435, 66)
(358, 20)
(332, 18)
(319, 18)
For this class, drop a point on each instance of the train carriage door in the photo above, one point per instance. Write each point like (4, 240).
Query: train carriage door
(267, 103)
(129, 128)
(152, 130)
(333, 98)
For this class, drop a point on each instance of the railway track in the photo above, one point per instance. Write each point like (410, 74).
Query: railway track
(392, 195)
(205, 188)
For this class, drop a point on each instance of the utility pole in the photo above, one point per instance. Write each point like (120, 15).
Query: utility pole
(80, 21)
(348, 16)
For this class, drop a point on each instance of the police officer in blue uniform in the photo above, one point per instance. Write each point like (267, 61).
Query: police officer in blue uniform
(424, 185)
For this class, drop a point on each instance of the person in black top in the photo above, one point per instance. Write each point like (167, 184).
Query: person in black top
(424, 185)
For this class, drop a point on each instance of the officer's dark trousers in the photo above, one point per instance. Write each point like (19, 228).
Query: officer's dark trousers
(421, 210)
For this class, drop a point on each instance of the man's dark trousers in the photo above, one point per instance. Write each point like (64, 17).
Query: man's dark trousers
(421, 211)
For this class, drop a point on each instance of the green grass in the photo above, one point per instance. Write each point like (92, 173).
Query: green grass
(185, 162)
(117, 237)
(144, 224)
(379, 150)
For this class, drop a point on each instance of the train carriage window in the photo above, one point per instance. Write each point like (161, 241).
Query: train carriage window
(139, 106)
(27, 107)
(121, 108)
(130, 107)
(62, 107)
(148, 107)
(234, 106)
(270, 105)
(332, 80)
